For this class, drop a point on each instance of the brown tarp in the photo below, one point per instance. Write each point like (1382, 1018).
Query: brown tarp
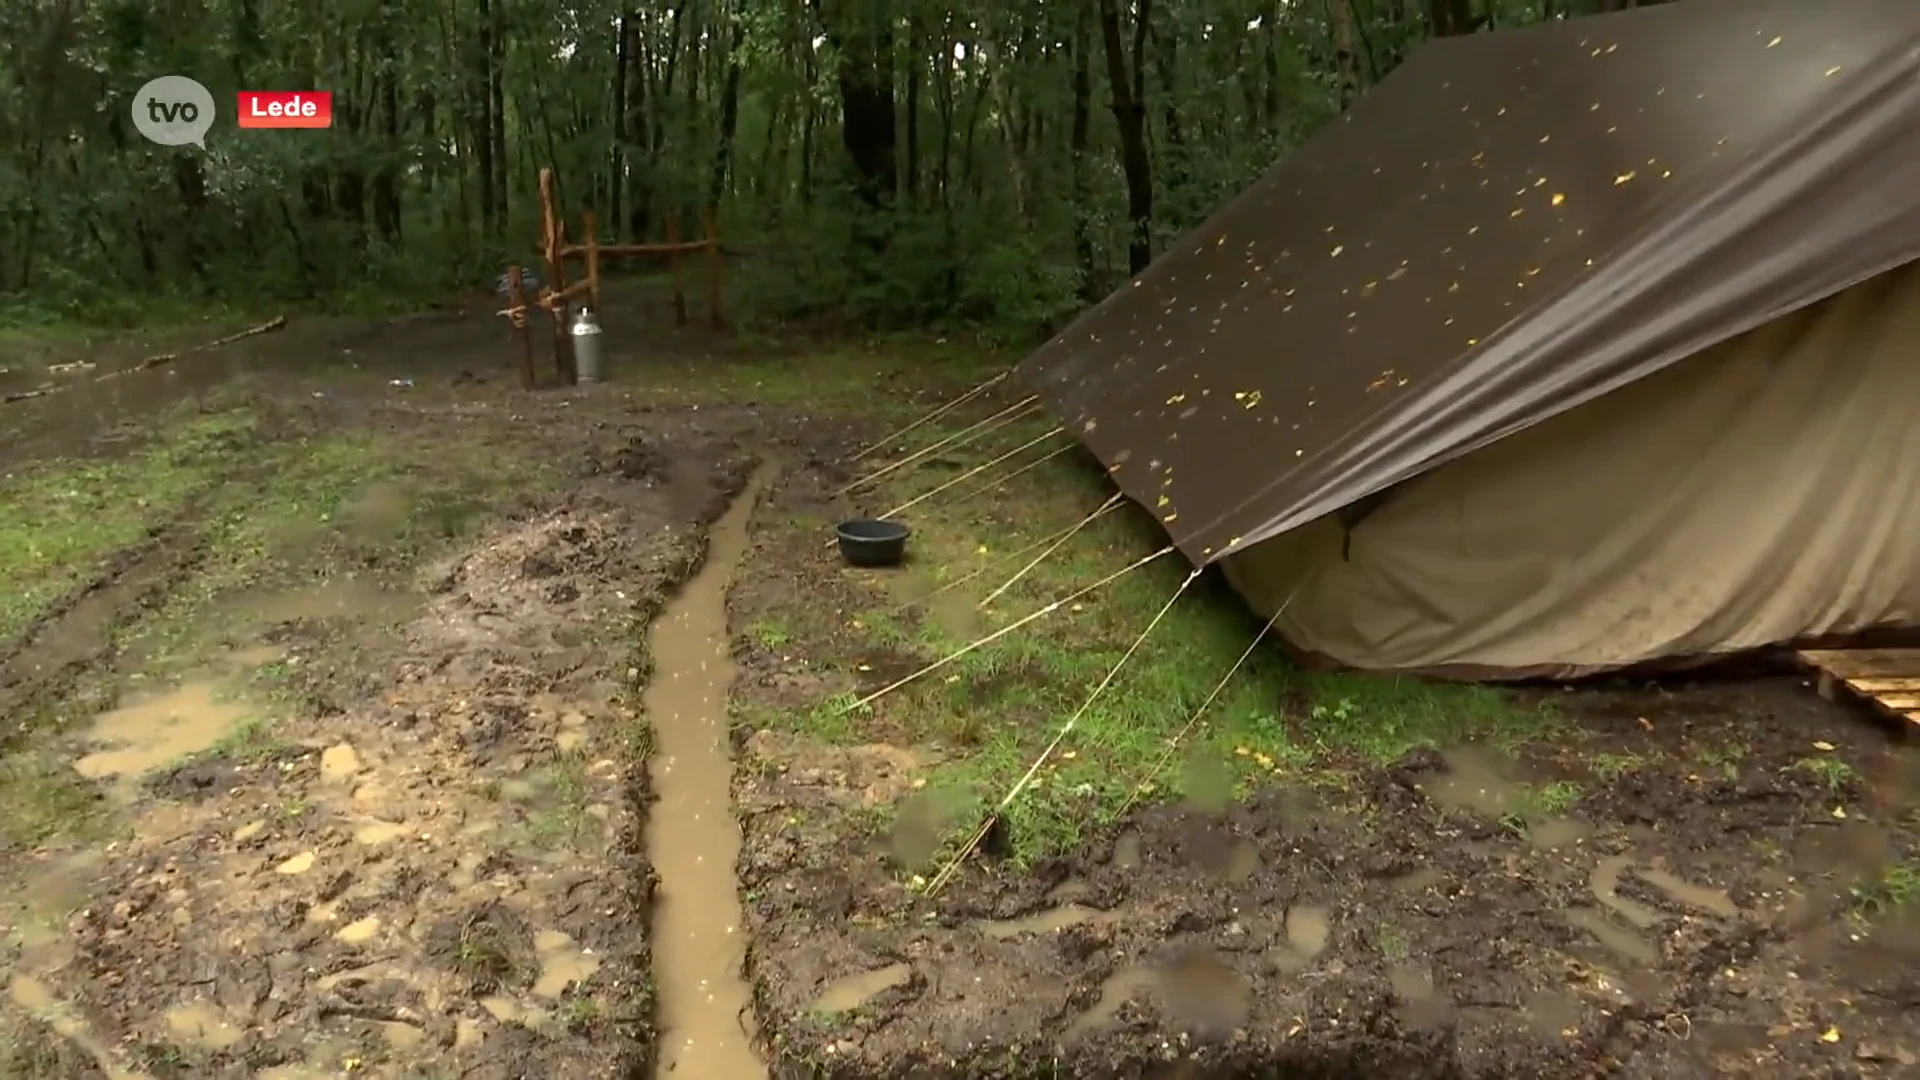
(1510, 225)
(1766, 490)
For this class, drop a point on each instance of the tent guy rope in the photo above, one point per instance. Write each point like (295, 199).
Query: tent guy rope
(953, 865)
(1173, 745)
(1034, 464)
(1052, 607)
(1003, 560)
(975, 471)
(934, 415)
(1111, 502)
(954, 441)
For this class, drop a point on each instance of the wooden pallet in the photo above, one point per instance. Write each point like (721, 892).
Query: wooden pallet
(1889, 678)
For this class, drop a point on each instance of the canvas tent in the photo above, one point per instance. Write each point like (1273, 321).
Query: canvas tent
(1566, 349)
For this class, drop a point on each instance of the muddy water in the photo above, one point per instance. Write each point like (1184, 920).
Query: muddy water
(37, 1000)
(148, 736)
(698, 938)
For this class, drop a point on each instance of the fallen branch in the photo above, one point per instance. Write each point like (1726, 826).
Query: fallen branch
(279, 322)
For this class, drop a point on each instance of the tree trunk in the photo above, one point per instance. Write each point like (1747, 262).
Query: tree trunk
(1346, 63)
(865, 77)
(1450, 18)
(729, 109)
(1082, 47)
(917, 50)
(1131, 114)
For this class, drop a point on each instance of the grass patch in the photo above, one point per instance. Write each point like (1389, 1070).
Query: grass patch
(845, 377)
(559, 814)
(995, 707)
(1893, 892)
(61, 520)
(332, 534)
(28, 1051)
(42, 800)
(1610, 767)
(1832, 771)
(1725, 759)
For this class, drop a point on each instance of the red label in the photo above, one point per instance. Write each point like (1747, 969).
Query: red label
(286, 108)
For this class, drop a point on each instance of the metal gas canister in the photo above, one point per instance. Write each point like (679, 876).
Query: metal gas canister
(587, 355)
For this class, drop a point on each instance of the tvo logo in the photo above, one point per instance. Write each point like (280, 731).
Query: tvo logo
(174, 110)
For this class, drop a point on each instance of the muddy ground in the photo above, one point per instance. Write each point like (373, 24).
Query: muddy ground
(1689, 878)
(328, 754)
(368, 798)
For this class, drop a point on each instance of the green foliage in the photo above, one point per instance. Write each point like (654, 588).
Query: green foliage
(986, 202)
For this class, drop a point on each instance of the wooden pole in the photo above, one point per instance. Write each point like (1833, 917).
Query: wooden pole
(593, 259)
(517, 298)
(673, 267)
(553, 236)
(716, 280)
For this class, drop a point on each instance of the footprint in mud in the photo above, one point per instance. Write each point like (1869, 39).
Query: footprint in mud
(1047, 921)
(1627, 943)
(850, 992)
(1198, 993)
(1308, 932)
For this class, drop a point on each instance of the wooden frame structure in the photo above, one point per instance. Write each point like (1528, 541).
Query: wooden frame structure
(557, 295)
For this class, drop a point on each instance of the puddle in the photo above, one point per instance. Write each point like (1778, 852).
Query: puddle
(202, 1025)
(37, 1000)
(692, 837)
(1417, 1001)
(1711, 901)
(1118, 989)
(853, 991)
(1420, 880)
(1623, 942)
(342, 599)
(1551, 1014)
(562, 963)
(1559, 832)
(338, 764)
(375, 833)
(1605, 884)
(146, 737)
(1475, 782)
(1308, 930)
(83, 628)
(1044, 922)
(1126, 851)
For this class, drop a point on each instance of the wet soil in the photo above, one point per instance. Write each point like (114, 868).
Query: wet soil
(434, 865)
(1690, 915)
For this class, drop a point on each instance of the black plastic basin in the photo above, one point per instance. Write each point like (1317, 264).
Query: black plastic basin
(872, 543)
